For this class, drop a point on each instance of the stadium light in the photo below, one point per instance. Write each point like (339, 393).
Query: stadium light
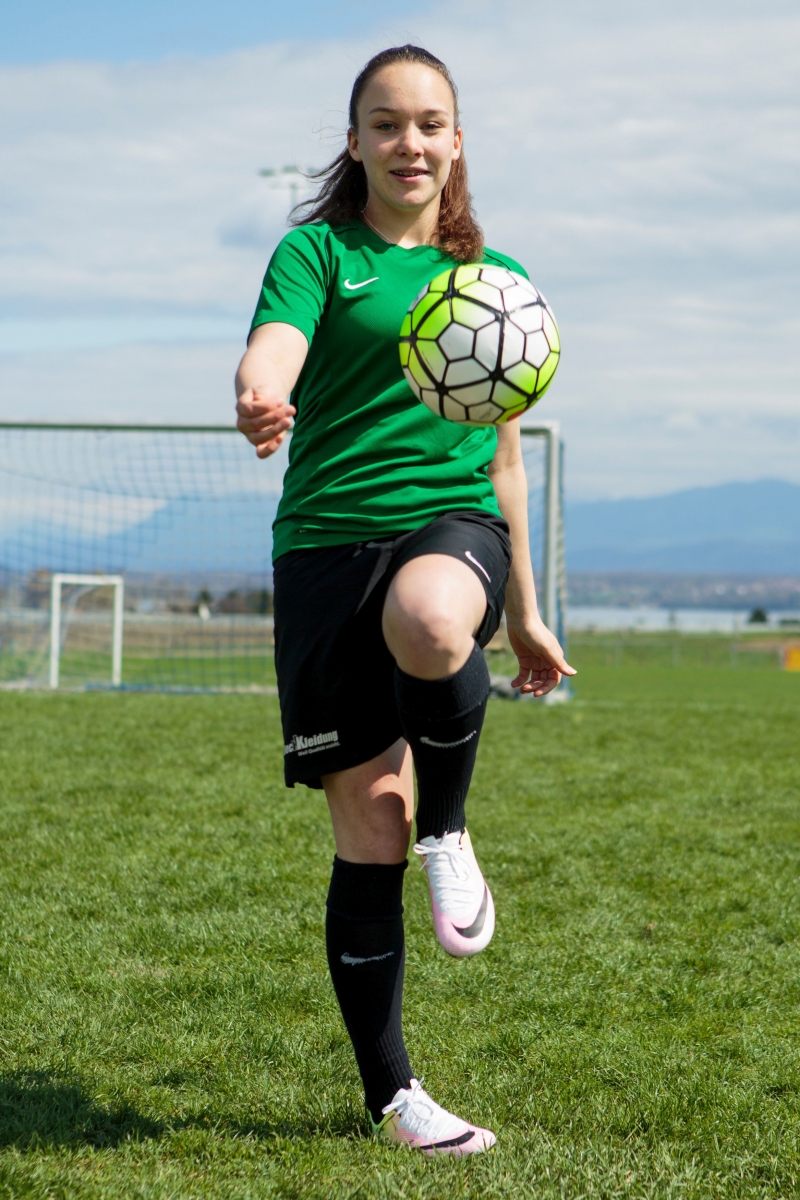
(287, 178)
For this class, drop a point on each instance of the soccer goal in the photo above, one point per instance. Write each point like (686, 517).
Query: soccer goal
(140, 556)
(84, 584)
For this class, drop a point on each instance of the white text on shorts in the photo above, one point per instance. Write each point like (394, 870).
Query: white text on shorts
(311, 745)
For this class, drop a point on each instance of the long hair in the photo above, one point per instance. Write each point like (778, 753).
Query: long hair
(343, 194)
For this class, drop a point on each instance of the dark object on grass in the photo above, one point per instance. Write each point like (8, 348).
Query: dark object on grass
(500, 687)
(758, 616)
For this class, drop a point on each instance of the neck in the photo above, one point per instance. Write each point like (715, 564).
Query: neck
(402, 228)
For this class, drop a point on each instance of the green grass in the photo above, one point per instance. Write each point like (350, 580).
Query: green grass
(89, 668)
(167, 1028)
(698, 651)
(243, 666)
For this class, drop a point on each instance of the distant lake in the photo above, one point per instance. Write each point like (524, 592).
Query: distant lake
(685, 620)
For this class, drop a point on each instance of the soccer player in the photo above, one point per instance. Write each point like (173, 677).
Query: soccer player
(393, 559)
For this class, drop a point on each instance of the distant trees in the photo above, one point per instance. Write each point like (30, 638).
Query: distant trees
(257, 602)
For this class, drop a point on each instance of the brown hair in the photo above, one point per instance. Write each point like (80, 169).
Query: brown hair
(343, 195)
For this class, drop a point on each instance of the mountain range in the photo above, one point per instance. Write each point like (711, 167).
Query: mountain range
(746, 528)
(752, 528)
(230, 533)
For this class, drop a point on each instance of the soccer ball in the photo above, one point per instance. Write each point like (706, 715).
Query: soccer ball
(479, 345)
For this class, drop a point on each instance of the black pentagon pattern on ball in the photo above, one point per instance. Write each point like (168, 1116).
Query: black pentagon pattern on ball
(467, 356)
(491, 376)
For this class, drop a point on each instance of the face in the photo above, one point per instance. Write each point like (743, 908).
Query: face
(406, 137)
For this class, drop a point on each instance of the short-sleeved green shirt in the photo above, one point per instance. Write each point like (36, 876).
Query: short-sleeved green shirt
(366, 459)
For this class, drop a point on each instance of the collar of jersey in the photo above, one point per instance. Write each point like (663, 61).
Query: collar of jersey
(378, 241)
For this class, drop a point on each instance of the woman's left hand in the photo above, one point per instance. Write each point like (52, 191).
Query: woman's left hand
(541, 659)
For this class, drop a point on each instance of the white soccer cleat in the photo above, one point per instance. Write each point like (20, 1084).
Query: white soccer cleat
(414, 1119)
(462, 905)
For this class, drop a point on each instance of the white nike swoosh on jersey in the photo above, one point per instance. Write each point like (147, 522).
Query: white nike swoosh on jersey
(351, 287)
(350, 961)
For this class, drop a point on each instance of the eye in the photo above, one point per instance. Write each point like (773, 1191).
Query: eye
(385, 126)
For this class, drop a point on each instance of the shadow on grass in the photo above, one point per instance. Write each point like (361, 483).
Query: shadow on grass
(39, 1108)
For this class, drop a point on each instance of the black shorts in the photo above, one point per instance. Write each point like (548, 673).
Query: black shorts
(335, 672)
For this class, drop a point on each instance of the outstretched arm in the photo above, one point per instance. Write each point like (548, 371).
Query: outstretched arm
(267, 374)
(541, 659)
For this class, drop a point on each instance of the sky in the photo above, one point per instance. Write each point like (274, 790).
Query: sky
(640, 159)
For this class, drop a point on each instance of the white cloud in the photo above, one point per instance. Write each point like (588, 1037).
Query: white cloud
(181, 384)
(643, 167)
(32, 335)
(109, 514)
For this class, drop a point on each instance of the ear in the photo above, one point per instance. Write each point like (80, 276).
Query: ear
(352, 145)
(458, 143)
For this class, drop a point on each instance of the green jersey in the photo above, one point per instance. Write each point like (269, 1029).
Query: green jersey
(366, 459)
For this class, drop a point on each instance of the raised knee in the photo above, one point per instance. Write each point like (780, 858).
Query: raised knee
(425, 639)
(431, 629)
(429, 617)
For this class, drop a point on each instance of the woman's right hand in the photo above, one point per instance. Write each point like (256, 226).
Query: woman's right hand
(264, 418)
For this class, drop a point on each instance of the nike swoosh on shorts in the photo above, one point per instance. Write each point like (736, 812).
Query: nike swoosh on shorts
(352, 287)
(468, 554)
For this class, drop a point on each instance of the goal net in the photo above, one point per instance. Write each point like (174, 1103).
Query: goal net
(140, 557)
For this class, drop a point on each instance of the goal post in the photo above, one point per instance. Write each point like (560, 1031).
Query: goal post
(551, 584)
(543, 458)
(177, 521)
(87, 582)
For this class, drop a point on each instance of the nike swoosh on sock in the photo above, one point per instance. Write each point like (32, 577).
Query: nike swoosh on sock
(350, 961)
(448, 745)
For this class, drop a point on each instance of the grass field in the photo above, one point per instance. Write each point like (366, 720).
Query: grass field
(167, 1028)
(224, 658)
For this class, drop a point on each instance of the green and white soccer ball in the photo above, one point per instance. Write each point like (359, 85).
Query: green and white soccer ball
(479, 345)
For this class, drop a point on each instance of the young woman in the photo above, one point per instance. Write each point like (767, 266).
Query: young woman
(393, 559)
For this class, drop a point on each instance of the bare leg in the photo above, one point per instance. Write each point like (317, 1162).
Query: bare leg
(433, 610)
(372, 807)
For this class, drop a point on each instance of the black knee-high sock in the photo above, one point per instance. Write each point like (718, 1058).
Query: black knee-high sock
(366, 957)
(442, 721)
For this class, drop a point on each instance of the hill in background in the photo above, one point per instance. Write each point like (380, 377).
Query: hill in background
(717, 544)
(740, 528)
(665, 589)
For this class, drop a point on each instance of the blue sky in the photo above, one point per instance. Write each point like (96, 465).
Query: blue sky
(640, 159)
(41, 31)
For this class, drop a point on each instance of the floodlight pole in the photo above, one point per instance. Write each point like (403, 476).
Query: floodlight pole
(285, 177)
